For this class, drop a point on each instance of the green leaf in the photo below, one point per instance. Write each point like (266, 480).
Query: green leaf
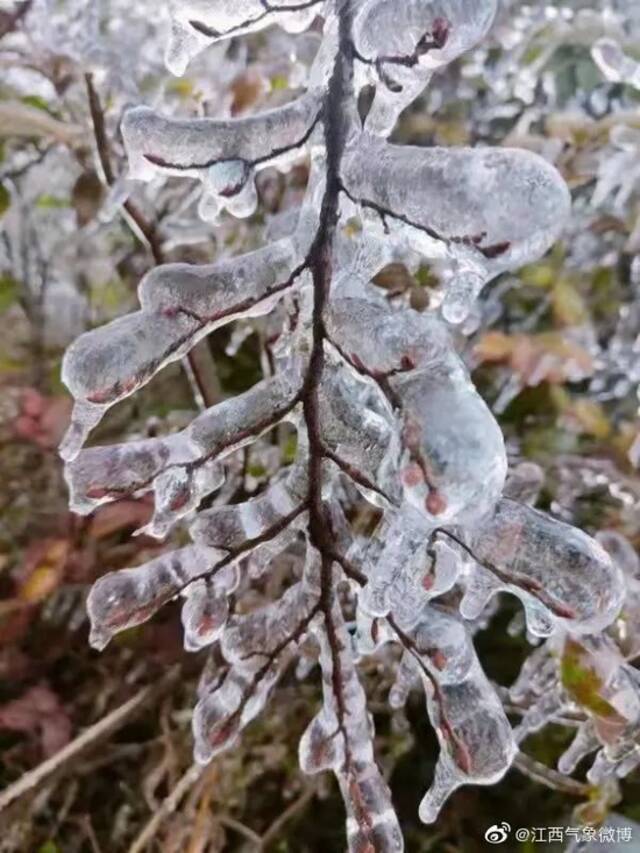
(5, 199)
(9, 290)
(279, 82)
(582, 682)
(290, 449)
(51, 202)
(36, 101)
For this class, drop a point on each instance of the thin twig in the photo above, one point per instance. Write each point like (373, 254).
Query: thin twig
(206, 393)
(240, 828)
(167, 807)
(146, 228)
(291, 811)
(547, 776)
(90, 737)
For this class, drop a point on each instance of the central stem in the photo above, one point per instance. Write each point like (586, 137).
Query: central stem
(335, 121)
(336, 127)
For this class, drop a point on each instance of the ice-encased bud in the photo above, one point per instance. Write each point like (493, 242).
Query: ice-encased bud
(399, 45)
(206, 608)
(455, 463)
(444, 644)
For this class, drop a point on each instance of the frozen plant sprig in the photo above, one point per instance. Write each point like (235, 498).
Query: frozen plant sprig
(380, 400)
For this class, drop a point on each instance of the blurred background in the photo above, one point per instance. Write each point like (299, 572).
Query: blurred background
(95, 749)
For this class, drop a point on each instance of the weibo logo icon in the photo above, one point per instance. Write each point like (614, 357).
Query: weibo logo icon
(498, 833)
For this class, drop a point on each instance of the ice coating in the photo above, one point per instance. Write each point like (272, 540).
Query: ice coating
(386, 417)
(359, 434)
(568, 572)
(180, 304)
(228, 289)
(435, 201)
(340, 738)
(206, 608)
(258, 646)
(224, 155)
(615, 64)
(454, 462)
(231, 526)
(442, 641)
(399, 46)
(382, 342)
(129, 597)
(180, 468)
(476, 741)
(403, 572)
(198, 23)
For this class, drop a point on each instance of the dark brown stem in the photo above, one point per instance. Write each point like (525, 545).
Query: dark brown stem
(320, 264)
(9, 21)
(354, 474)
(147, 229)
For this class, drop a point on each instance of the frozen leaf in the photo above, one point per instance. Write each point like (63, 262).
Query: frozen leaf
(198, 23)
(434, 200)
(550, 565)
(122, 599)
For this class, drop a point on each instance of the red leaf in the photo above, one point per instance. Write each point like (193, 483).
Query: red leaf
(38, 712)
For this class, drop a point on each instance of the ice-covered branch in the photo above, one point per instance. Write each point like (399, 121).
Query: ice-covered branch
(198, 23)
(398, 46)
(384, 410)
(488, 210)
(224, 155)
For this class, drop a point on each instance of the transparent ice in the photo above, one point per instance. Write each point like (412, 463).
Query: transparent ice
(383, 408)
